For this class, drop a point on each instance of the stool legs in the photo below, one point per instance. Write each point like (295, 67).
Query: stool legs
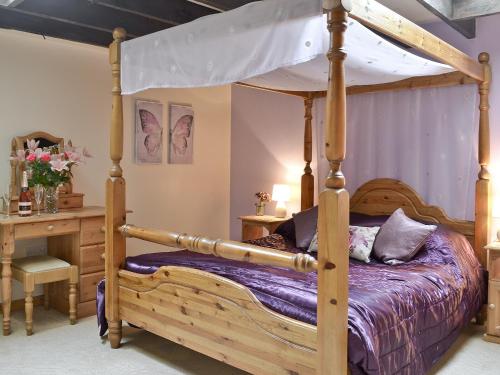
(46, 300)
(73, 280)
(29, 287)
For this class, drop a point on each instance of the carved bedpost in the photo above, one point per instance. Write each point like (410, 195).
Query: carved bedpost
(483, 184)
(333, 221)
(307, 184)
(115, 197)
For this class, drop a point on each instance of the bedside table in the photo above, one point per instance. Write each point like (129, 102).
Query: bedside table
(493, 264)
(252, 227)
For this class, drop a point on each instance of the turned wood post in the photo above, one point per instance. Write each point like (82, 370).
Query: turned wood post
(13, 176)
(333, 221)
(225, 249)
(29, 288)
(6, 251)
(483, 184)
(72, 294)
(307, 183)
(115, 197)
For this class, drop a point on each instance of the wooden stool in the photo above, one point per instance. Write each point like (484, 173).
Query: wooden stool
(44, 269)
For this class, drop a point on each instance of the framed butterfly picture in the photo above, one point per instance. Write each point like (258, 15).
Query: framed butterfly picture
(181, 129)
(148, 132)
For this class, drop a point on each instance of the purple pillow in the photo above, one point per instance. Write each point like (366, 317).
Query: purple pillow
(306, 222)
(305, 227)
(400, 238)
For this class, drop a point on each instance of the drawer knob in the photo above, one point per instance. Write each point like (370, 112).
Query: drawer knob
(491, 306)
(103, 229)
(50, 228)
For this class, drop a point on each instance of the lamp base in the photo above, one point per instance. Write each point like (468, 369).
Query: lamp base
(280, 210)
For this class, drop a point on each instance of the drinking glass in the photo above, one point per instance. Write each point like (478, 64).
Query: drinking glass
(7, 197)
(38, 189)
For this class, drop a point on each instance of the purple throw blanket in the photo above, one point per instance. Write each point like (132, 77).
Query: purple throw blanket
(401, 318)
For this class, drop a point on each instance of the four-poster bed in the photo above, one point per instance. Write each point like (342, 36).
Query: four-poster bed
(223, 319)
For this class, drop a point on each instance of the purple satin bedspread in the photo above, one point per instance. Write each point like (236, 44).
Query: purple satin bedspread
(401, 318)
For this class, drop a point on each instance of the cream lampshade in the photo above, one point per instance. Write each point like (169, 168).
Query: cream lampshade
(281, 195)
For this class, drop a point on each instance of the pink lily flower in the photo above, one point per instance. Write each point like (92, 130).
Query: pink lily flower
(69, 148)
(32, 144)
(74, 157)
(86, 153)
(59, 165)
(38, 153)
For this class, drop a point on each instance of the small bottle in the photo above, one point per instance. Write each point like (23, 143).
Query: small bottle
(24, 208)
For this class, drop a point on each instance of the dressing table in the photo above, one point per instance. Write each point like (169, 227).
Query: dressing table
(76, 236)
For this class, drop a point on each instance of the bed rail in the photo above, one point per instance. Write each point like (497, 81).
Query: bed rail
(225, 249)
(377, 16)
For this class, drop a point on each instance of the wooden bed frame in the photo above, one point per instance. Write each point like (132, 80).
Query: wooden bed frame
(223, 319)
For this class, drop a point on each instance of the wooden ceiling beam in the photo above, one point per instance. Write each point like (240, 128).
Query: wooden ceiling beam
(208, 4)
(445, 9)
(52, 28)
(220, 5)
(375, 15)
(467, 9)
(91, 15)
(172, 12)
(42, 17)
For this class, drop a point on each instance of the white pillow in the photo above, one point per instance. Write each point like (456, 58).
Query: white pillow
(361, 241)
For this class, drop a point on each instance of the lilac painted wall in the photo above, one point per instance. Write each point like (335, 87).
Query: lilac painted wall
(267, 129)
(488, 32)
(266, 148)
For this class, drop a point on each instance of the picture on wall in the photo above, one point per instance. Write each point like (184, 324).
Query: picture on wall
(148, 132)
(181, 125)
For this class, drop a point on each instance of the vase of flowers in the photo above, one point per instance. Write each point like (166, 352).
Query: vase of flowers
(51, 199)
(260, 206)
(51, 168)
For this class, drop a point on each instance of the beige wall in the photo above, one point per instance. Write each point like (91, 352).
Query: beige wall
(64, 88)
(267, 148)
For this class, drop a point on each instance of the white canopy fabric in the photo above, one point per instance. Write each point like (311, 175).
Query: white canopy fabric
(277, 44)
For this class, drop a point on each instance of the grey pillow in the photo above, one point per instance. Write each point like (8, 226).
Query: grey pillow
(305, 227)
(400, 238)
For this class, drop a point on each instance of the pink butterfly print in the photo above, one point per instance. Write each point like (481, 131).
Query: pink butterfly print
(149, 123)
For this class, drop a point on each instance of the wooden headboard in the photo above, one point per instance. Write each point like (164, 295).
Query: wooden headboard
(383, 196)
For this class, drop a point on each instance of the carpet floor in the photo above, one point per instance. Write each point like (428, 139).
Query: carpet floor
(57, 348)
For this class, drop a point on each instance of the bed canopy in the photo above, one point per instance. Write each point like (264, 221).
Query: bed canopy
(279, 44)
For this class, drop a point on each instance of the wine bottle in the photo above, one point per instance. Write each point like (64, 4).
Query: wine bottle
(24, 208)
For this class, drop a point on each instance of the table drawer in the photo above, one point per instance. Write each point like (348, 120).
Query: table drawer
(46, 229)
(493, 323)
(91, 259)
(92, 231)
(88, 286)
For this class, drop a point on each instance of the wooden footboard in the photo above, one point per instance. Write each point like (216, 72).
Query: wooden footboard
(219, 318)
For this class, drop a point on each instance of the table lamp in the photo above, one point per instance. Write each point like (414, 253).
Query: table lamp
(281, 195)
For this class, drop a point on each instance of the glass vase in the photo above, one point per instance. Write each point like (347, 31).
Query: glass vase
(260, 208)
(51, 199)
